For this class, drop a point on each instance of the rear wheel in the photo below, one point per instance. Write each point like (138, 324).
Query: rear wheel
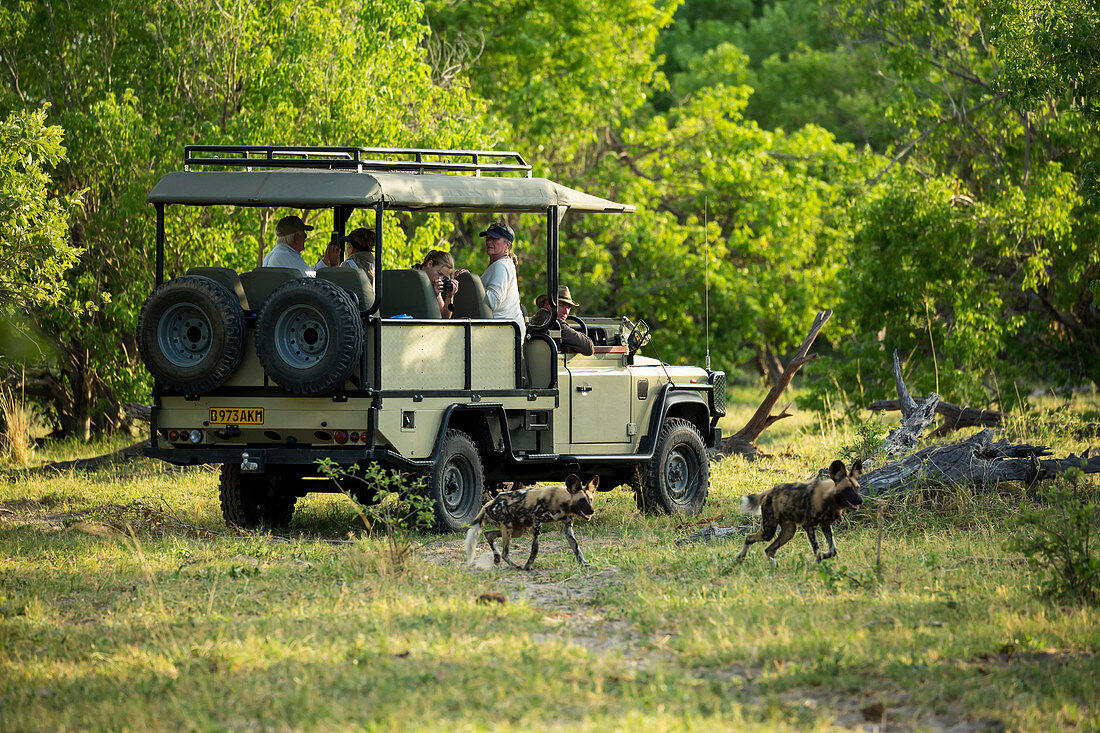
(456, 483)
(676, 480)
(251, 500)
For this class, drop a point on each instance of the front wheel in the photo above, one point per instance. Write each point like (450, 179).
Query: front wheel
(676, 480)
(456, 483)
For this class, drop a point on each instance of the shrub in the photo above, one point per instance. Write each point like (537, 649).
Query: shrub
(388, 501)
(1060, 541)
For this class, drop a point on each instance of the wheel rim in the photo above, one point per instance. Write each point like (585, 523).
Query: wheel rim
(682, 475)
(457, 486)
(183, 335)
(301, 336)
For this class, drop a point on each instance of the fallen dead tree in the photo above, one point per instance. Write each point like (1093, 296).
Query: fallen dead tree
(979, 461)
(743, 442)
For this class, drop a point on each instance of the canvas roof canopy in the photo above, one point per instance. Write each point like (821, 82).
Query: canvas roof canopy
(319, 188)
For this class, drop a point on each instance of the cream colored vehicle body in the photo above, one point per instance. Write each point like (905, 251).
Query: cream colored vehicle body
(463, 401)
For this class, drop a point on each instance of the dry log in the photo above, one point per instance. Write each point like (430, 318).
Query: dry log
(979, 461)
(743, 442)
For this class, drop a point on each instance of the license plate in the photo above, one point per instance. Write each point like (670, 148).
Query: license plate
(237, 415)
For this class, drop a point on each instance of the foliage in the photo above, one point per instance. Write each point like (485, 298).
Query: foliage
(35, 251)
(396, 504)
(987, 238)
(560, 72)
(867, 441)
(1061, 540)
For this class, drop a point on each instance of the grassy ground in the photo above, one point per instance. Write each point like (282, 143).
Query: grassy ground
(126, 603)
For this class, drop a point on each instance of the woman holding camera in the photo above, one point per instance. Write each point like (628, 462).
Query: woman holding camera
(439, 266)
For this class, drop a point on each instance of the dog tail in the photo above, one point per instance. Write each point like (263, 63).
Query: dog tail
(751, 503)
(471, 540)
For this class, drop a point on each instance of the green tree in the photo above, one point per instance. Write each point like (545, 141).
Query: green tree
(35, 249)
(133, 82)
(997, 176)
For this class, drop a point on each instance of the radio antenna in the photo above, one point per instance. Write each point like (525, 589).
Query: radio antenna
(706, 238)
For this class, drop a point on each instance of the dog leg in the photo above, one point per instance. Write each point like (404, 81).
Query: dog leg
(506, 542)
(827, 530)
(567, 530)
(811, 535)
(786, 531)
(492, 535)
(766, 531)
(534, 546)
(749, 540)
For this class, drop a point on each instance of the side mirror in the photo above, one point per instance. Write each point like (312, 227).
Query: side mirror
(639, 337)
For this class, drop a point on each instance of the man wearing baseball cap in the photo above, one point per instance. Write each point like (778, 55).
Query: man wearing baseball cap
(499, 278)
(290, 241)
(571, 339)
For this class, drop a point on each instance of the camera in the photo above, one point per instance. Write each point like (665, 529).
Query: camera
(448, 285)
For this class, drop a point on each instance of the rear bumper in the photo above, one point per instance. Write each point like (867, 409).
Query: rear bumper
(196, 456)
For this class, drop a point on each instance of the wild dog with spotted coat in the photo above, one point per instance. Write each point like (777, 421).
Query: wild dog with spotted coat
(811, 504)
(515, 511)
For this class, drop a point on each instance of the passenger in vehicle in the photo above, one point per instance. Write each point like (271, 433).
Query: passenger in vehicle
(572, 341)
(290, 241)
(499, 278)
(360, 251)
(439, 266)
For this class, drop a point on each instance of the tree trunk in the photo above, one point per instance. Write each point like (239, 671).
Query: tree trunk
(743, 442)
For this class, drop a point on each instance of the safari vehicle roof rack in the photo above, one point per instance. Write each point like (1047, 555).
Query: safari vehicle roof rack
(410, 160)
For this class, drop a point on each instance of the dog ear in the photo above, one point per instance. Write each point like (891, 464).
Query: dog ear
(573, 483)
(857, 470)
(593, 483)
(836, 471)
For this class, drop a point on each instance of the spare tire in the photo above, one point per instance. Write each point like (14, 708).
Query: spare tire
(309, 336)
(191, 334)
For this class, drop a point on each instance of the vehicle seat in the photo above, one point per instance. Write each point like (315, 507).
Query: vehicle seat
(226, 276)
(540, 361)
(407, 292)
(261, 282)
(470, 300)
(352, 279)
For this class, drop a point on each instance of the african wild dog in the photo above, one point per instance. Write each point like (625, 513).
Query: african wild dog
(515, 511)
(811, 504)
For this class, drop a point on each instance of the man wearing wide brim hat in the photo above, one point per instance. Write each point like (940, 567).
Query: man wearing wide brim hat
(290, 242)
(571, 340)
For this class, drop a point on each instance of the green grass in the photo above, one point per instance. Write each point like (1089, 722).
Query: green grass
(126, 603)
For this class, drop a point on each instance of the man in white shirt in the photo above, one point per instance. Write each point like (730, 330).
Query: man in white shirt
(499, 278)
(290, 242)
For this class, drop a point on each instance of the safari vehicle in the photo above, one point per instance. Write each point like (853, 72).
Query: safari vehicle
(267, 371)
